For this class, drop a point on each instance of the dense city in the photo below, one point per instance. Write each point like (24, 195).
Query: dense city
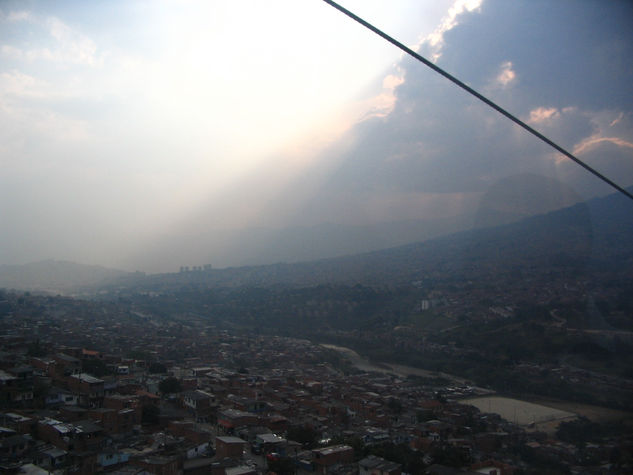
(91, 387)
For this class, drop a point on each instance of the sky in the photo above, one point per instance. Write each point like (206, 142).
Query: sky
(144, 135)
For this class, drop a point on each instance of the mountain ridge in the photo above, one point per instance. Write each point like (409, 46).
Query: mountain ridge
(585, 234)
(55, 276)
(596, 231)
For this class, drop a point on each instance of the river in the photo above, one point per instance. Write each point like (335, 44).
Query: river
(388, 368)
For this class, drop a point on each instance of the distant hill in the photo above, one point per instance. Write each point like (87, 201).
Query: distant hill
(594, 233)
(261, 246)
(502, 306)
(55, 276)
(199, 242)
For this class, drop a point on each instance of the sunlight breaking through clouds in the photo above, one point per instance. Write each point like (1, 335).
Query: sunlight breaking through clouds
(435, 40)
(184, 119)
(593, 141)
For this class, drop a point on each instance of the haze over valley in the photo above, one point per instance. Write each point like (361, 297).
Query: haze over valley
(249, 238)
(196, 134)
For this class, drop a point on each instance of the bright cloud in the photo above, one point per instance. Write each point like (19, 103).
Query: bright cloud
(617, 120)
(383, 103)
(593, 141)
(66, 46)
(18, 15)
(435, 40)
(543, 114)
(17, 84)
(506, 74)
(11, 52)
(73, 46)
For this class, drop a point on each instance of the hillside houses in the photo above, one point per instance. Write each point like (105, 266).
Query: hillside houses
(245, 404)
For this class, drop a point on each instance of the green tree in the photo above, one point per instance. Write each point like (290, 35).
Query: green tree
(150, 414)
(282, 466)
(40, 391)
(170, 385)
(95, 367)
(394, 405)
(306, 436)
(157, 368)
(36, 349)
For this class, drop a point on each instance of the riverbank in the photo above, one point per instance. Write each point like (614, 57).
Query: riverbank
(399, 370)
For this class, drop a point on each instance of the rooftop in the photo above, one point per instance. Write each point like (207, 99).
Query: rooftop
(230, 440)
(87, 378)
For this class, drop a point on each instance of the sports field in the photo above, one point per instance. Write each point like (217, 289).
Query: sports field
(517, 411)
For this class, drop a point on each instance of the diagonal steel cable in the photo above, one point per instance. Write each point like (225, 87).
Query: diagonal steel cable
(479, 96)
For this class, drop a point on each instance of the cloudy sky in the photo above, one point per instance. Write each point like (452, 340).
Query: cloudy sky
(148, 134)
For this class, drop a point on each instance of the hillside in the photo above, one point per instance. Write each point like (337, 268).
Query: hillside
(594, 234)
(540, 307)
(55, 276)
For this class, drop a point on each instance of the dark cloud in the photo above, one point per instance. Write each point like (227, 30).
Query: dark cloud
(442, 155)
(570, 59)
(565, 52)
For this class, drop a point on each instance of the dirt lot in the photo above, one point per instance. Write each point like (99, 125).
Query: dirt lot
(593, 413)
(520, 412)
(546, 414)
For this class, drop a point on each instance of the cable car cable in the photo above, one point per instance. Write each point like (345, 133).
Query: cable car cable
(479, 96)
